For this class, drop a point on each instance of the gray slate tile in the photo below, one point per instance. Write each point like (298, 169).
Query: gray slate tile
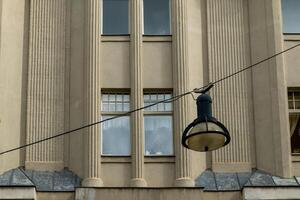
(260, 178)
(43, 180)
(244, 178)
(29, 173)
(19, 178)
(5, 178)
(207, 181)
(77, 181)
(227, 181)
(284, 181)
(64, 181)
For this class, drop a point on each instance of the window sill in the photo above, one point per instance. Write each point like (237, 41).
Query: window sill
(115, 159)
(115, 38)
(157, 38)
(296, 157)
(159, 159)
(147, 159)
(291, 36)
(126, 38)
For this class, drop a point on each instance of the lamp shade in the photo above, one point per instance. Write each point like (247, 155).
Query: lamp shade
(205, 133)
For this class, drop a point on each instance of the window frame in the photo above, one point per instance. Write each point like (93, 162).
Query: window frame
(293, 111)
(159, 113)
(170, 21)
(112, 114)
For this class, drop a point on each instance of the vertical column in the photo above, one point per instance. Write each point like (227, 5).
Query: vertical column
(269, 89)
(228, 50)
(180, 82)
(46, 73)
(137, 122)
(92, 94)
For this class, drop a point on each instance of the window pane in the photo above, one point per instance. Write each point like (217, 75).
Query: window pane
(297, 104)
(115, 17)
(105, 107)
(295, 132)
(154, 98)
(291, 16)
(116, 136)
(158, 135)
(156, 17)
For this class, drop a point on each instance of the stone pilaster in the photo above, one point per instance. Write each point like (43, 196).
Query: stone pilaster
(228, 52)
(92, 94)
(46, 81)
(181, 85)
(137, 122)
(272, 135)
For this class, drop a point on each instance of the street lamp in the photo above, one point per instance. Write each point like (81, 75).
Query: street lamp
(205, 133)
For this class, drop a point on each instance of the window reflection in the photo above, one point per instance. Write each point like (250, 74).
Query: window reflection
(115, 17)
(116, 136)
(291, 16)
(158, 135)
(156, 17)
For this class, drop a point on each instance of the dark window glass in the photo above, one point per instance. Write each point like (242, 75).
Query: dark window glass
(291, 16)
(115, 17)
(156, 17)
(295, 132)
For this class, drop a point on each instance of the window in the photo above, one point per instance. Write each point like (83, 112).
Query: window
(115, 17)
(158, 125)
(115, 133)
(291, 16)
(157, 17)
(294, 116)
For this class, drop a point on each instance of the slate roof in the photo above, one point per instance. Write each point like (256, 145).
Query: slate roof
(64, 180)
(214, 181)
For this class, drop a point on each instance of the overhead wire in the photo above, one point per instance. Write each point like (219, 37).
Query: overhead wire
(174, 98)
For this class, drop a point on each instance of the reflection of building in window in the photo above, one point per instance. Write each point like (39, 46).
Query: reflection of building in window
(115, 17)
(115, 133)
(294, 116)
(158, 125)
(157, 17)
(291, 16)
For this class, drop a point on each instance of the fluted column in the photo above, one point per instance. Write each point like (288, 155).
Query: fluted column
(181, 85)
(92, 94)
(137, 122)
(228, 52)
(46, 73)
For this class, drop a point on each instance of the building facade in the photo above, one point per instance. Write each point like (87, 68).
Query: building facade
(69, 63)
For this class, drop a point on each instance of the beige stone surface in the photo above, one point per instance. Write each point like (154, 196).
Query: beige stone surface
(114, 64)
(157, 64)
(138, 194)
(272, 138)
(191, 57)
(55, 195)
(160, 174)
(271, 193)
(116, 174)
(292, 61)
(13, 49)
(15, 193)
